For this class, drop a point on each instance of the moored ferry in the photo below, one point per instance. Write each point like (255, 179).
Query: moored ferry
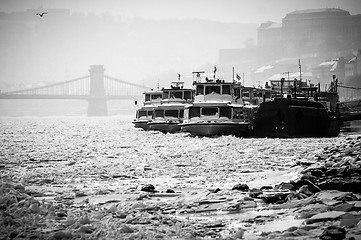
(169, 114)
(144, 114)
(218, 109)
(217, 118)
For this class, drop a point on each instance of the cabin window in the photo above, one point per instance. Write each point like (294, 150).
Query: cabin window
(177, 94)
(171, 113)
(181, 113)
(200, 90)
(194, 112)
(226, 89)
(165, 94)
(159, 113)
(156, 96)
(225, 112)
(147, 97)
(215, 89)
(142, 113)
(245, 94)
(237, 113)
(187, 95)
(209, 111)
(149, 113)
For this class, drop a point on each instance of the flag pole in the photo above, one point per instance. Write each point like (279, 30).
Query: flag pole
(233, 74)
(299, 66)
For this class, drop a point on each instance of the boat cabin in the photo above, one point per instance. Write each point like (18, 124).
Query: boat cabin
(255, 96)
(169, 113)
(218, 90)
(300, 90)
(293, 89)
(152, 97)
(144, 113)
(215, 112)
(176, 93)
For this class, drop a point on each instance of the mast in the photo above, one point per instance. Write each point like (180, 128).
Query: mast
(243, 77)
(233, 74)
(299, 66)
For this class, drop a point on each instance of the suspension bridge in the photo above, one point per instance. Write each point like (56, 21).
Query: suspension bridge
(96, 88)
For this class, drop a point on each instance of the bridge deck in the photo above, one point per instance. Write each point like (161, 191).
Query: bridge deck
(75, 97)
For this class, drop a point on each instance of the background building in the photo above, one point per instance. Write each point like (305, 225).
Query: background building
(322, 33)
(315, 37)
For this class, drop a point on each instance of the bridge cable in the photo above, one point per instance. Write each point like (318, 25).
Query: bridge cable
(129, 83)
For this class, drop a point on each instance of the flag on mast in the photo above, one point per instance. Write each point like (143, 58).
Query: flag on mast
(214, 72)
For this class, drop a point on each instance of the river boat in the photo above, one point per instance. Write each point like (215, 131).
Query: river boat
(144, 114)
(169, 114)
(218, 109)
(298, 109)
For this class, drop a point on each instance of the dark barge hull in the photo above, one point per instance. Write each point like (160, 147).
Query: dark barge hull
(294, 118)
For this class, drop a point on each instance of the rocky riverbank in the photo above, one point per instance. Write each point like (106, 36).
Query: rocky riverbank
(176, 186)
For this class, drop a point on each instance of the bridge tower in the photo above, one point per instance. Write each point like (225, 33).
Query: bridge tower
(97, 102)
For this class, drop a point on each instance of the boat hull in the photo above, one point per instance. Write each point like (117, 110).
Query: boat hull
(209, 129)
(141, 124)
(165, 127)
(294, 118)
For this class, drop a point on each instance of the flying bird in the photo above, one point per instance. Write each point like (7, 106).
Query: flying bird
(41, 14)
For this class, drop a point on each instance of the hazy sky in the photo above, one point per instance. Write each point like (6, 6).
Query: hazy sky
(243, 11)
(135, 57)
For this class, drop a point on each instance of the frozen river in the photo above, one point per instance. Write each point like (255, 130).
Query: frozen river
(75, 149)
(105, 159)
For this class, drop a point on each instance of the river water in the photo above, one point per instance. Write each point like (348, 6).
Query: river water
(58, 148)
(111, 145)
